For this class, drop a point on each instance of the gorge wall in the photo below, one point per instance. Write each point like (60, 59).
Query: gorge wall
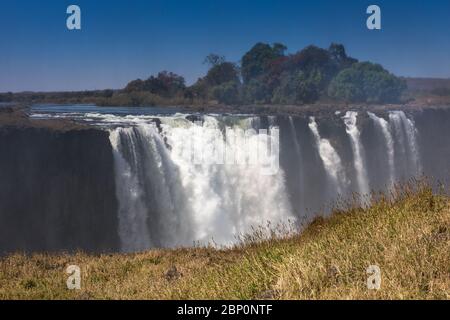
(57, 190)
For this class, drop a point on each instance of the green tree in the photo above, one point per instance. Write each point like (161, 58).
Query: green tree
(257, 61)
(214, 59)
(135, 85)
(221, 73)
(221, 83)
(298, 88)
(339, 56)
(165, 84)
(227, 93)
(366, 82)
(256, 91)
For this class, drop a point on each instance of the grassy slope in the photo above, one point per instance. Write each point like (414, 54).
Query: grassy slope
(409, 240)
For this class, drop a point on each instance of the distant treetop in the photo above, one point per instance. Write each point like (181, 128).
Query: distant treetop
(266, 74)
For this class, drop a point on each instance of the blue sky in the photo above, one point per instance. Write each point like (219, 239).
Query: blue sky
(122, 40)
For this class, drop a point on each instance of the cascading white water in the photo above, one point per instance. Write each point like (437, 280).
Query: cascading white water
(406, 132)
(411, 133)
(132, 211)
(352, 130)
(171, 196)
(141, 159)
(227, 199)
(298, 154)
(330, 158)
(383, 125)
(272, 121)
(294, 136)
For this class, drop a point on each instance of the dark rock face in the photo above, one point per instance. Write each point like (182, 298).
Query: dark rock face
(434, 138)
(57, 190)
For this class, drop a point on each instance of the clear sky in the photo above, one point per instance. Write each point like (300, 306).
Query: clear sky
(123, 40)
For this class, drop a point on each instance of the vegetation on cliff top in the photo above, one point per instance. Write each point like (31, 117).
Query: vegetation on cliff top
(408, 238)
(265, 75)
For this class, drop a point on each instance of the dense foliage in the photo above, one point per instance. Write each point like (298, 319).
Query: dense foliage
(165, 84)
(366, 82)
(265, 75)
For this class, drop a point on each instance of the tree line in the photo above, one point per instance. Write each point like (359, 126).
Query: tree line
(266, 74)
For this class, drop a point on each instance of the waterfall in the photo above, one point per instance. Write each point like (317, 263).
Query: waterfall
(148, 190)
(171, 193)
(352, 130)
(177, 179)
(330, 158)
(294, 136)
(406, 134)
(301, 196)
(132, 211)
(272, 121)
(411, 134)
(383, 125)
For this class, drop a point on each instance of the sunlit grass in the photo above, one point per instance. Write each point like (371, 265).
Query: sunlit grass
(406, 234)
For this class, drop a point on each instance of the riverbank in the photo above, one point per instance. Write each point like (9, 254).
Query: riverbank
(16, 116)
(408, 239)
(313, 109)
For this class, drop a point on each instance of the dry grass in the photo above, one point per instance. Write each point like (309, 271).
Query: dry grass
(409, 239)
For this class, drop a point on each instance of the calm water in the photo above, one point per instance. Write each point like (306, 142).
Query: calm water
(85, 109)
(116, 116)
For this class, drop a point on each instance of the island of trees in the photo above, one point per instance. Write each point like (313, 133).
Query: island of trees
(264, 75)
